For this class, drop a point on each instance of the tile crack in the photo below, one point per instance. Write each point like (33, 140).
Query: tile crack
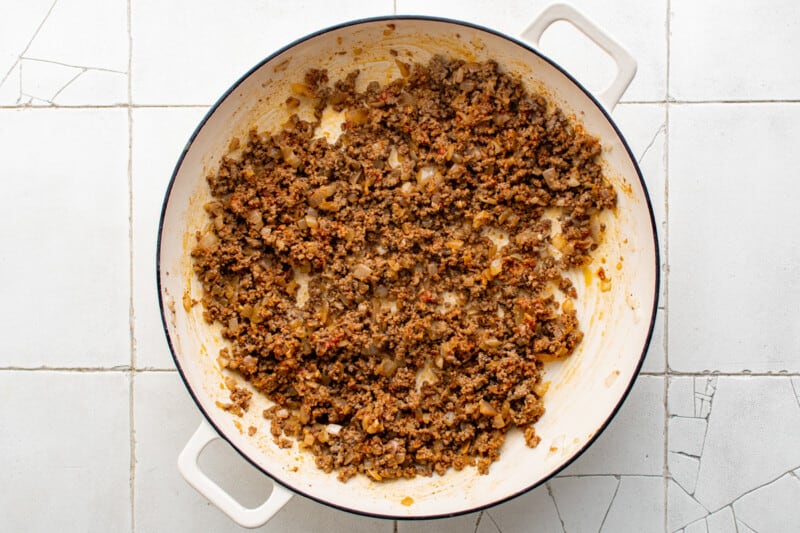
(661, 128)
(610, 503)
(84, 67)
(491, 518)
(558, 513)
(478, 522)
(75, 77)
(770, 482)
(30, 42)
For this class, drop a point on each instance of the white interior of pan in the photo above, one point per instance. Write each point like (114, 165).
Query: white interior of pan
(585, 389)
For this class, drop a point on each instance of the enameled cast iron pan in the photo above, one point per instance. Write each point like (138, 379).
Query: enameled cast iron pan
(587, 388)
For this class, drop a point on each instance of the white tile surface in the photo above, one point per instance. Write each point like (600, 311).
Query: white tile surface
(535, 511)
(734, 50)
(640, 27)
(633, 443)
(159, 136)
(49, 53)
(639, 500)
(579, 512)
(746, 417)
(721, 178)
(65, 448)
(195, 61)
(733, 263)
(66, 191)
(758, 508)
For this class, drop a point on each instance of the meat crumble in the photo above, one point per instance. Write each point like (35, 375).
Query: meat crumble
(396, 292)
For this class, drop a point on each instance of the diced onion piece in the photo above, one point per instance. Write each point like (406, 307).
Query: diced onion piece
(498, 421)
(496, 266)
(290, 157)
(558, 241)
(387, 367)
(321, 194)
(357, 116)
(425, 174)
(362, 271)
(481, 219)
(208, 240)
(404, 68)
(551, 178)
(490, 344)
(394, 158)
(407, 188)
(486, 409)
(301, 89)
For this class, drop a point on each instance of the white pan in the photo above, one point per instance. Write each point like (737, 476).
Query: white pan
(586, 389)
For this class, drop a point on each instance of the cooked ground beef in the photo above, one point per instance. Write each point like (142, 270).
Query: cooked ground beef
(395, 293)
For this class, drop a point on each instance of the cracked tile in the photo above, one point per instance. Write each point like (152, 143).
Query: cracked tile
(773, 507)
(686, 435)
(704, 388)
(741, 527)
(70, 191)
(684, 469)
(722, 521)
(180, 64)
(578, 512)
(796, 388)
(744, 417)
(15, 35)
(705, 334)
(486, 525)
(58, 45)
(640, 501)
(772, 423)
(633, 443)
(44, 80)
(100, 87)
(534, 511)
(698, 526)
(73, 31)
(682, 509)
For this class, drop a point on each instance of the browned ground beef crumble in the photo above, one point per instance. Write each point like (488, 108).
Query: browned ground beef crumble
(422, 339)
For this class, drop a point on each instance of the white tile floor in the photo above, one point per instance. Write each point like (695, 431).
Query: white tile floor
(97, 98)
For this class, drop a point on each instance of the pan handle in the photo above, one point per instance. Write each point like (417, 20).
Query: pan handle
(245, 517)
(626, 64)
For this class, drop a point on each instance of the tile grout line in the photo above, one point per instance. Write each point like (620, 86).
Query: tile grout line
(665, 259)
(132, 434)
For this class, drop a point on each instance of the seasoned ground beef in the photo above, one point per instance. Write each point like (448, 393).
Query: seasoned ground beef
(396, 292)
